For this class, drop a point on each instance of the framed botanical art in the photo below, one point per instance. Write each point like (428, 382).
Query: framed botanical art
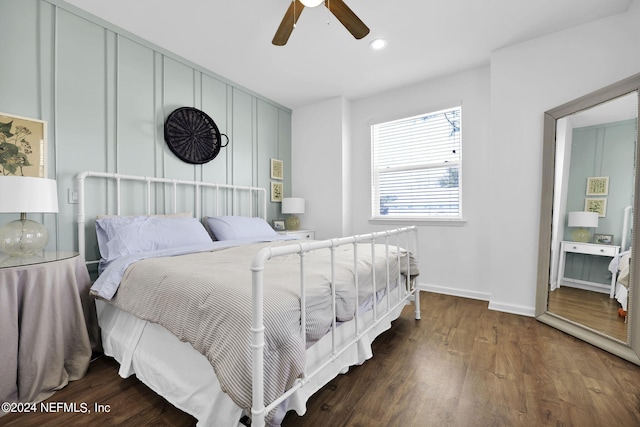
(23, 146)
(276, 191)
(277, 169)
(596, 205)
(598, 186)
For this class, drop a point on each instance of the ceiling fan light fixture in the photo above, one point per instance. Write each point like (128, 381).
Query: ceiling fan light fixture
(378, 44)
(338, 8)
(311, 3)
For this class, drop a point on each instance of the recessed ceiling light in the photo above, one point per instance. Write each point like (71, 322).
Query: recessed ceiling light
(377, 44)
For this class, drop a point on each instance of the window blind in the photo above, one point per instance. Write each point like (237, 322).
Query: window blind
(416, 166)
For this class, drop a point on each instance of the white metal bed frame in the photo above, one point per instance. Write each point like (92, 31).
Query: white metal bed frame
(405, 294)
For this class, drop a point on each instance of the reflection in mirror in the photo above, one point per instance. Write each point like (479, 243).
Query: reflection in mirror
(586, 277)
(593, 196)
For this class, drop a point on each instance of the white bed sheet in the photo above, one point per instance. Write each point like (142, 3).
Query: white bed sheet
(177, 372)
(622, 295)
(620, 266)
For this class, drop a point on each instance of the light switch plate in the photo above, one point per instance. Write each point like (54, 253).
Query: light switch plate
(72, 196)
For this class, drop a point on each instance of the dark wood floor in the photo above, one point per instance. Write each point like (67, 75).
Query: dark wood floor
(461, 365)
(592, 309)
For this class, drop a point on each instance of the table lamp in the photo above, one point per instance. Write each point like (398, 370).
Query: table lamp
(293, 206)
(582, 220)
(23, 194)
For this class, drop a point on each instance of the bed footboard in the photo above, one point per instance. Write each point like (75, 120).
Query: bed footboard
(404, 288)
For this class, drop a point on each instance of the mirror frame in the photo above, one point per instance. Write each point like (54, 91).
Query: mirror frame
(631, 349)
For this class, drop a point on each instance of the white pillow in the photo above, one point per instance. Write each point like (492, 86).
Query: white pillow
(145, 234)
(239, 227)
(107, 225)
(106, 229)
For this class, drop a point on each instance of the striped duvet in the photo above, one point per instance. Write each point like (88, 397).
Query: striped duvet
(205, 299)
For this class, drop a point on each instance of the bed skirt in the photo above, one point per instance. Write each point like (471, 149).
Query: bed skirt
(177, 372)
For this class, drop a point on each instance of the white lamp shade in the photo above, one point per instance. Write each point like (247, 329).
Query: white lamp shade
(583, 219)
(293, 205)
(28, 194)
(311, 3)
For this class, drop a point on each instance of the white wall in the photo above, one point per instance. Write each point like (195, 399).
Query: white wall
(493, 255)
(318, 165)
(453, 257)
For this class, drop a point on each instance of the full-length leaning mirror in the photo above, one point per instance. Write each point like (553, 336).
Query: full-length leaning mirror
(587, 281)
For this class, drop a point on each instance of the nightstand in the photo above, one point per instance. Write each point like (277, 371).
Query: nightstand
(45, 309)
(300, 234)
(588, 249)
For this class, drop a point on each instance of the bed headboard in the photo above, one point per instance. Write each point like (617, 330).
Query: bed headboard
(101, 193)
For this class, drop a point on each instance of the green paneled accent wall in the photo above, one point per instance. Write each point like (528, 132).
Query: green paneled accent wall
(105, 94)
(603, 150)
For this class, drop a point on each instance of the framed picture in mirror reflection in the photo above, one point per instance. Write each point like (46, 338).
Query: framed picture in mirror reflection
(596, 205)
(603, 239)
(598, 186)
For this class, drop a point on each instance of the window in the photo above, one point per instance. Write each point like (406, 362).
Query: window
(416, 167)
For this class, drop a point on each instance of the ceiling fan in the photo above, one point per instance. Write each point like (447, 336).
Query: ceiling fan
(341, 11)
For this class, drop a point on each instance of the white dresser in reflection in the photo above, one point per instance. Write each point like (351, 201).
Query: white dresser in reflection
(587, 249)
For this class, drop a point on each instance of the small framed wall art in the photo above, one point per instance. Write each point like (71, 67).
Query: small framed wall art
(276, 191)
(596, 205)
(23, 146)
(598, 186)
(277, 169)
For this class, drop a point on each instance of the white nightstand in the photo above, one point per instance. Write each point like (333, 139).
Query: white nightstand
(588, 249)
(300, 234)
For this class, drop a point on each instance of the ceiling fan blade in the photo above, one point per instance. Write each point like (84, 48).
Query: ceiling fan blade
(349, 19)
(286, 26)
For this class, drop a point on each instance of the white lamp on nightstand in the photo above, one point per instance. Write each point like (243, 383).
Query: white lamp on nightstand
(23, 194)
(293, 206)
(583, 221)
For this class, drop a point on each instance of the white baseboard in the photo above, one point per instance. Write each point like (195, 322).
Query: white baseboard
(513, 309)
(483, 296)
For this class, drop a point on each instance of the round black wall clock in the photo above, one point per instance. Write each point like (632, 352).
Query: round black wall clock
(192, 135)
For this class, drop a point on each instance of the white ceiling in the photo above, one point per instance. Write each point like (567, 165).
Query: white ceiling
(427, 39)
(622, 108)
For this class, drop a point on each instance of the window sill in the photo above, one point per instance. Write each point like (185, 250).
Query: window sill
(451, 222)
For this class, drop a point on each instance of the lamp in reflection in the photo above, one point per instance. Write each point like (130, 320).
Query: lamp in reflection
(293, 206)
(582, 221)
